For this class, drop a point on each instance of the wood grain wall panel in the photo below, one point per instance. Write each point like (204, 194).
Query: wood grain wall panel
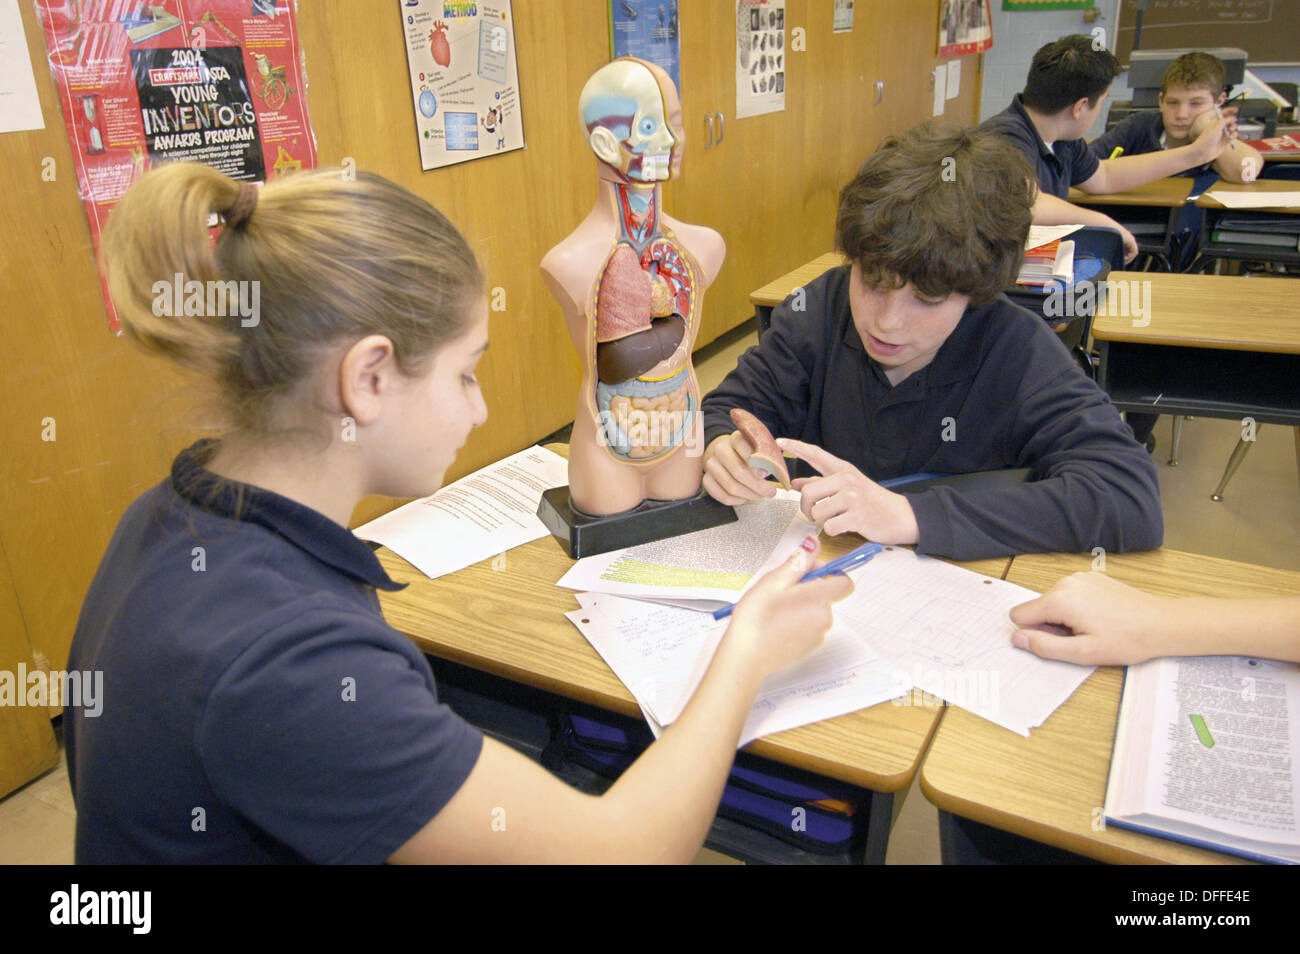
(120, 416)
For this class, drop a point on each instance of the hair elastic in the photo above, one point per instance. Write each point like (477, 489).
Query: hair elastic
(245, 201)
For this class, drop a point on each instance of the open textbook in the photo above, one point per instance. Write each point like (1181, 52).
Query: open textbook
(1206, 753)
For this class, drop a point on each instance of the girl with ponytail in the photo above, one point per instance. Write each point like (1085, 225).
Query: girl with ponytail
(256, 706)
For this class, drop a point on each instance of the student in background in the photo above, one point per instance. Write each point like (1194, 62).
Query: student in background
(1192, 87)
(911, 360)
(1067, 84)
(1115, 624)
(258, 708)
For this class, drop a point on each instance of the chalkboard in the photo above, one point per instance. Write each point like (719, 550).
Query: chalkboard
(1268, 30)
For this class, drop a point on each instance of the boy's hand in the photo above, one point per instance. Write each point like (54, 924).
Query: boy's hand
(1216, 132)
(728, 478)
(1113, 624)
(1130, 243)
(844, 499)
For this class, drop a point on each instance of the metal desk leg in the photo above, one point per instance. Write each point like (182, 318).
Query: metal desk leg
(1297, 451)
(1177, 424)
(879, 822)
(1238, 455)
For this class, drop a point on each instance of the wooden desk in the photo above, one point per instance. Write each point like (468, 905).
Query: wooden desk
(510, 622)
(776, 291)
(1150, 212)
(1047, 787)
(1206, 201)
(1216, 345)
(1163, 193)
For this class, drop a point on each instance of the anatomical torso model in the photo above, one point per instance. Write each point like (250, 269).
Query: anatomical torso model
(631, 281)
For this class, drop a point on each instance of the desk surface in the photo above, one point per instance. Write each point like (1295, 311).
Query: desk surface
(1198, 311)
(1206, 201)
(1161, 193)
(1047, 787)
(776, 291)
(510, 622)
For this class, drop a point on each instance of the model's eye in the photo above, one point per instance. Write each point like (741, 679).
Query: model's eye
(469, 380)
(647, 126)
(930, 303)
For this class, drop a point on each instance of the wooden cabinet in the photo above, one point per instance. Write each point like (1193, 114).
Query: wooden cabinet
(771, 187)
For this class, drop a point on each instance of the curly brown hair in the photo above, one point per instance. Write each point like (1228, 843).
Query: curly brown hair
(943, 207)
(1195, 69)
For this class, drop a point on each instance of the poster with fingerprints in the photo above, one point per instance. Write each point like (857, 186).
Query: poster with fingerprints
(760, 57)
(464, 79)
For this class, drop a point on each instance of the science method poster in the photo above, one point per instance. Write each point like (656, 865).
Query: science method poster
(212, 81)
(464, 79)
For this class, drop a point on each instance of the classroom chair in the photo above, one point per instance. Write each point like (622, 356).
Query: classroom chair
(1097, 252)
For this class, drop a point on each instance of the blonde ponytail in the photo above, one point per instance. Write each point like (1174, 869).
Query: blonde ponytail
(319, 260)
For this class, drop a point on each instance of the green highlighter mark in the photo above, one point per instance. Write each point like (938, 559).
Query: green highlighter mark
(1202, 731)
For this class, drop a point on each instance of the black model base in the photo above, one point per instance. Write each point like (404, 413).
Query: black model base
(584, 535)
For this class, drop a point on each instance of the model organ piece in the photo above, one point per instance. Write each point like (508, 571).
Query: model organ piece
(630, 280)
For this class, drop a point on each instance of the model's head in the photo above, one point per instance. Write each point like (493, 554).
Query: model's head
(942, 208)
(323, 301)
(632, 118)
(1068, 70)
(1193, 85)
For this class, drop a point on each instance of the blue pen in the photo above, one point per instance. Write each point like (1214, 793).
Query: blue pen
(842, 564)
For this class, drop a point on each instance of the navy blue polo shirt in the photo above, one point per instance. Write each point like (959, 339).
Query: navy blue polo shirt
(1001, 392)
(1067, 163)
(256, 705)
(1139, 134)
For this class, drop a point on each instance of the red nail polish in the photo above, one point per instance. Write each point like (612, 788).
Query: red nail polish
(810, 543)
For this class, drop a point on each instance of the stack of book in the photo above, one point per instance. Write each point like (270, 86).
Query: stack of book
(1047, 264)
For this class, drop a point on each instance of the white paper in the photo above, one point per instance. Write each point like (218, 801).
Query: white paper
(940, 75)
(761, 50)
(20, 106)
(478, 516)
(714, 565)
(1257, 200)
(948, 632)
(1042, 234)
(661, 653)
(954, 78)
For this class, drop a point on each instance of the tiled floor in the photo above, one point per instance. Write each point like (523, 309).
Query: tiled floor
(1257, 522)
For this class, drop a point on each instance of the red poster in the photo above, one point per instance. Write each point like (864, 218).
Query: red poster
(965, 26)
(212, 81)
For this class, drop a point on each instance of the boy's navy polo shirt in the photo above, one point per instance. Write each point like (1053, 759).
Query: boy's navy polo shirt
(1001, 392)
(257, 707)
(1139, 134)
(1067, 163)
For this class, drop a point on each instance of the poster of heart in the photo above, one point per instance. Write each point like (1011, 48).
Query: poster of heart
(464, 79)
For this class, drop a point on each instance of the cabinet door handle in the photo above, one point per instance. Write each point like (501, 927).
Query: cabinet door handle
(708, 122)
(880, 92)
(722, 128)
